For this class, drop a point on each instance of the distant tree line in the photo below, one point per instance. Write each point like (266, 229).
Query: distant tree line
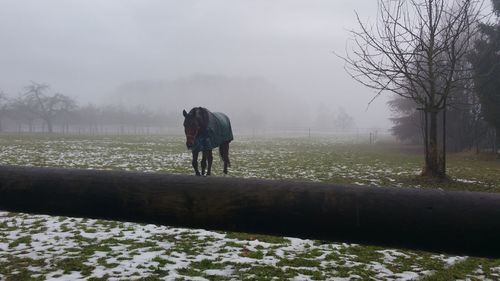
(338, 120)
(37, 110)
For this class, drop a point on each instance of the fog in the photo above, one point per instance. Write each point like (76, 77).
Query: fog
(271, 63)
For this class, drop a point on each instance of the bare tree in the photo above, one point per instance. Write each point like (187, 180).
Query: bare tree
(21, 112)
(415, 50)
(47, 107)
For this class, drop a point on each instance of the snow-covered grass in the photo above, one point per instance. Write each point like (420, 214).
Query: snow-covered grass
(60, 248)
(38, 247)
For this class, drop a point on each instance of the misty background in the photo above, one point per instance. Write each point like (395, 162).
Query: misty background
(267, 64)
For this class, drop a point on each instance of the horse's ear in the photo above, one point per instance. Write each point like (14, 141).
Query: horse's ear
(184, 113)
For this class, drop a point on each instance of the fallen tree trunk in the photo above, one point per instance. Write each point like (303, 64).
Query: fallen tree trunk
(465, 223)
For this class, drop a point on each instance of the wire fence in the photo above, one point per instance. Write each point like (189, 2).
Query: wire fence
(358, 135)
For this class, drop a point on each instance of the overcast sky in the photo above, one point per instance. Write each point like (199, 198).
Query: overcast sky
(87, 48)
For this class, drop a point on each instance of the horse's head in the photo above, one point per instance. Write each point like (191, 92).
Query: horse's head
(194, 122)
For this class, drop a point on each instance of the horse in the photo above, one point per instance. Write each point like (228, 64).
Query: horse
(205, 131)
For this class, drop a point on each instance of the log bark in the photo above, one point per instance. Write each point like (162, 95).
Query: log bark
(466, 223)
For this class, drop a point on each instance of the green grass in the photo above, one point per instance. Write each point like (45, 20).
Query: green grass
(468, 270)
(21, 240)
(251, 237)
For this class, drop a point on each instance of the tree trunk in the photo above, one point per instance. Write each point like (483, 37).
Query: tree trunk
(443, 153)
(426, 135)
(432, 164)
(462, 223)
(50, 128)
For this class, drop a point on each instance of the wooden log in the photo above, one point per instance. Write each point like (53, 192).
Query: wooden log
(466, 223)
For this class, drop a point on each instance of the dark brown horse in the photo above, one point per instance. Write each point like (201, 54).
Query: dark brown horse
(205, 131)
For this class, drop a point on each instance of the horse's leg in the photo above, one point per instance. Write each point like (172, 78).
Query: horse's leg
(210, 159)
(195, 162)
(204, 161)
(224, 153)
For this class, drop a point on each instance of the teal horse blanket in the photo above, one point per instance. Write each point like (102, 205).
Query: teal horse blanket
(217, 132)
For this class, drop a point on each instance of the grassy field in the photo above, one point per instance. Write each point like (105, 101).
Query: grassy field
(37, 247)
